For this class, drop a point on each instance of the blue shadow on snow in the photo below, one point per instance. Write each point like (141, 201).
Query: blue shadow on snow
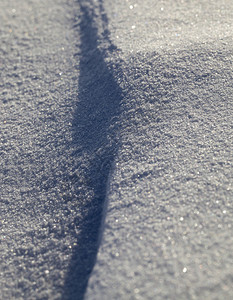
(95, 130)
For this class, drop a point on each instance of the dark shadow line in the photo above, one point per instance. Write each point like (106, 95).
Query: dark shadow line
(94, 133)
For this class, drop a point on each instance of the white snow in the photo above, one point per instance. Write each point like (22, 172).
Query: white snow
(116, 140)
(168, 228)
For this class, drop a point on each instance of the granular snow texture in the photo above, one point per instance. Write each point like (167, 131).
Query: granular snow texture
(168, 228)
(116, 139)
(56, 148)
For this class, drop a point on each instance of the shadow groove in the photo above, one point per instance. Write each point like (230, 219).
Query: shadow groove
(94, 134)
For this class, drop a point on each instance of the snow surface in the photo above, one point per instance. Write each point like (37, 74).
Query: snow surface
(168, 228)
(116, 139)
(44, 193)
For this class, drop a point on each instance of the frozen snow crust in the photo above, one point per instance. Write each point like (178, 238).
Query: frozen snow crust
(116, 135)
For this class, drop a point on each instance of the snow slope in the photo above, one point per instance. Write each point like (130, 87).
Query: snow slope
(116, 139)
(168, 228)
(38, 96)
(56, 149)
